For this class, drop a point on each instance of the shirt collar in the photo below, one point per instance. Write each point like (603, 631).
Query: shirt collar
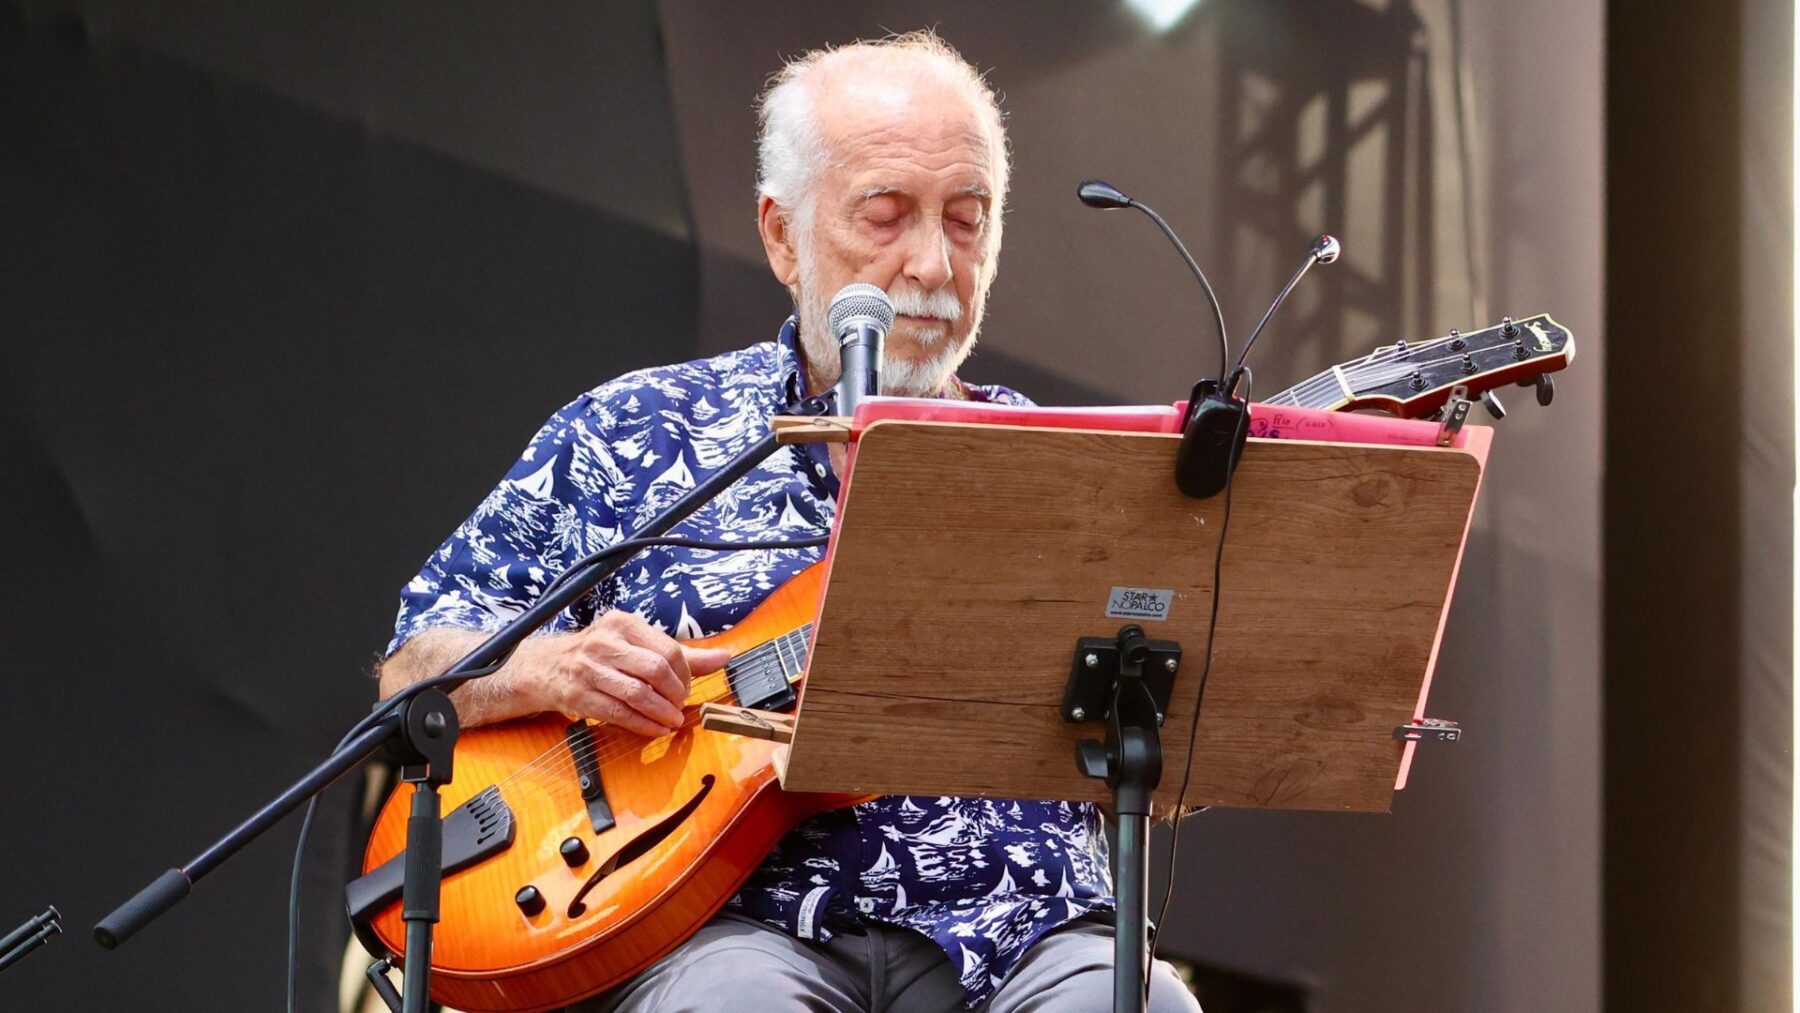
(787, 360)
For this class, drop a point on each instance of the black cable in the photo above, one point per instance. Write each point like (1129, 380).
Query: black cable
(293, 954)
(628, 547)
(1187, 758)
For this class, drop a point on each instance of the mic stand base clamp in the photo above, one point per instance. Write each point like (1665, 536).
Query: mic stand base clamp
(425, 746)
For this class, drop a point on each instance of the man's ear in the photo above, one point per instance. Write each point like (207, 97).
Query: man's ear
(772, 220)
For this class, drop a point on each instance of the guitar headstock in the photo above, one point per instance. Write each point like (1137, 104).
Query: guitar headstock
(1412, 380)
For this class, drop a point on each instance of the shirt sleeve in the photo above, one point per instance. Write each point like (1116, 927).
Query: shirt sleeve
(556, 504)
(996, 394)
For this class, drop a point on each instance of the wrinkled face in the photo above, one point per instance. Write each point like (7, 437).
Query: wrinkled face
(908, 203)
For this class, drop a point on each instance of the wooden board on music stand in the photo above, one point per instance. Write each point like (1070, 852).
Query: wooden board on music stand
(968, 559)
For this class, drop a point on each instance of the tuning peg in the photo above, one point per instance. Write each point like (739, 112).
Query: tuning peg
(1546, 387)
(1491, 402)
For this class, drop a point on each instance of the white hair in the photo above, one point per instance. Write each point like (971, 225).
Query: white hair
(790, 148)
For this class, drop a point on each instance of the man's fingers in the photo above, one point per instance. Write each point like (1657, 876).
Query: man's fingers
(701, 660)
(653, 669)
(592, 703)
(666, 647)
(637, 694)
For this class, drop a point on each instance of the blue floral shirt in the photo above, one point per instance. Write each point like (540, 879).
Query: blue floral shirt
(983, 878)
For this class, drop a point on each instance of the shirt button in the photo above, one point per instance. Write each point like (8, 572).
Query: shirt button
(820, 468)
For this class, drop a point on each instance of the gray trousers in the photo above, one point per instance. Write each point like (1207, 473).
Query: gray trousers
(735, 963)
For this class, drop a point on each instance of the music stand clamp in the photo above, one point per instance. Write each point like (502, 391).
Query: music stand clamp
(1125, 681)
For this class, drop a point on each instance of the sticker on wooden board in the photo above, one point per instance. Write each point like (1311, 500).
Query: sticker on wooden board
(1140, 603)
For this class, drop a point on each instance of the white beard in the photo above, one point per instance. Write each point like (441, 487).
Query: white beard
(899, 377)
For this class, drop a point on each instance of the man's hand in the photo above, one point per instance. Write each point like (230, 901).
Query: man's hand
(620, 670)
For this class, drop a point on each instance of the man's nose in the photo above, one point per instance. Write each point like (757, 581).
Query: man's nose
(928, 260)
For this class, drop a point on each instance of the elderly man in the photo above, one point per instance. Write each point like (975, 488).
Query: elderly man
(883, 163)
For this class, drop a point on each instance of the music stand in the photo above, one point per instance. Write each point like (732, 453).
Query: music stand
(969, 562)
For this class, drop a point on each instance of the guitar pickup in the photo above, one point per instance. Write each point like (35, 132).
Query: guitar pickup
(481, 827)
(761, 684)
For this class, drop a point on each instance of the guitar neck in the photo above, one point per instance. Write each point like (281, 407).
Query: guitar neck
(1410, 380)
(1327, 392)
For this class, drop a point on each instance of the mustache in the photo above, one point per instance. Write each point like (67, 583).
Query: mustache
(916, 302)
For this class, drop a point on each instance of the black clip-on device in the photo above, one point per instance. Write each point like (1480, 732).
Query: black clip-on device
(418, 726)
(1124, 680)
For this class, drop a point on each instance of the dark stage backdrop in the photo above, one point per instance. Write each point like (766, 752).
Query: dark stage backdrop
(284, 288)
(258, 360)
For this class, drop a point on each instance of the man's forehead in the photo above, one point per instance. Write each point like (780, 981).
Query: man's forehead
(967, 190)
(864, 112)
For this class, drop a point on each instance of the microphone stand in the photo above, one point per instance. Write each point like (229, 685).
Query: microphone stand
(35, 932)
(419, 726)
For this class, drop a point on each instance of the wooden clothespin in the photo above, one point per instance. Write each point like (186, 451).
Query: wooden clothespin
(755, 724)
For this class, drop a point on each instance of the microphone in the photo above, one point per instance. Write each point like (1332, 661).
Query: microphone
(861, 316)
(1325, 249)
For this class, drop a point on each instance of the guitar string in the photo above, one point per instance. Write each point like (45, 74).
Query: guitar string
(1383, 356)
(582, 752)
(555, 772)
(688, 711)
(706, 685)
(1320, 385)
(1361, 372)
(755, 661)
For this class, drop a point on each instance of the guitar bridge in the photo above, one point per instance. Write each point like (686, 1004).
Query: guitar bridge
(481, 827)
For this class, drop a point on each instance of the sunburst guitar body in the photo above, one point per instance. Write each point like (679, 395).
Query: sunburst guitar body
(541, 908)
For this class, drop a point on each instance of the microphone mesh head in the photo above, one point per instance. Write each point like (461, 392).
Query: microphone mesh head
(861, 299)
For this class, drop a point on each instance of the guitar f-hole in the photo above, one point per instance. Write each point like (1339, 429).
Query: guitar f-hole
(640, 846)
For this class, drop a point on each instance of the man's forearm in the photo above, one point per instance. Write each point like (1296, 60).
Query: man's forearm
(481, 701)
(618, 669)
